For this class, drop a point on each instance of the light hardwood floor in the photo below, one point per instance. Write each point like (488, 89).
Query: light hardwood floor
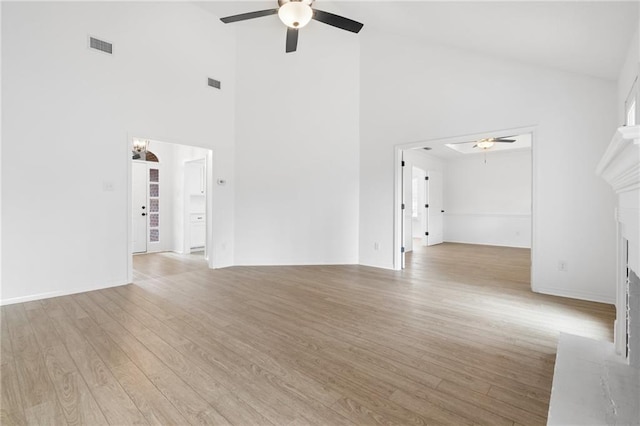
(457, 338)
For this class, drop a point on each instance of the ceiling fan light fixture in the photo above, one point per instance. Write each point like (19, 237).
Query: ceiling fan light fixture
(485, 144)
(295, 14)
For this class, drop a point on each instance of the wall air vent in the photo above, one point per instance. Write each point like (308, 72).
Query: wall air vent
(213, 83)
(101, 45)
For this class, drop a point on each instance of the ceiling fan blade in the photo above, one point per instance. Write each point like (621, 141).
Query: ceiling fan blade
(292, 39)
(458, 143)
(249, 15)
(504, 140)
(337, 21)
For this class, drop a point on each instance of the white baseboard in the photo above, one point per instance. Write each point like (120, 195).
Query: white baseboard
(223, 265)
(487, 244)
(290, 262)
(573, 294)
(48, 295)
(368, 265)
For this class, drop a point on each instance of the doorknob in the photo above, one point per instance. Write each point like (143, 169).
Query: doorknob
(441, 211)
(144, 214)
(143, 207)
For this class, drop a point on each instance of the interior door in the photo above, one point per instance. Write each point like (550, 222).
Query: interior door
(195, 205)
(423, 206)
(407, 216)
(435, 212)
(402, 219)
(139, 206)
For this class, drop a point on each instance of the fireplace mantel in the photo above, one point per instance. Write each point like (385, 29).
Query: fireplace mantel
(620, 164)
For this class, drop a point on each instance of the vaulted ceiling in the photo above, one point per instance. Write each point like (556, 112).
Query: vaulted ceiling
(587, 37)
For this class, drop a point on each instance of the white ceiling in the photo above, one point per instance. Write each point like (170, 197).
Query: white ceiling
(587, 37)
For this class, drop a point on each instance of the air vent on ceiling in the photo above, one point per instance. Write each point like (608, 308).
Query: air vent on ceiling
(101, 45)
(213, 83)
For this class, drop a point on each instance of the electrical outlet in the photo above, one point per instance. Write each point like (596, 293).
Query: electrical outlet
(562, 266)
(376, 246)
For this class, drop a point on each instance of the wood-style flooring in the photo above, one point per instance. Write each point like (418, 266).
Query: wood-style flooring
(456, 338)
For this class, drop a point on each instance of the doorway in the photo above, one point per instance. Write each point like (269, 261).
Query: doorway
(469, 209)
(170, 193)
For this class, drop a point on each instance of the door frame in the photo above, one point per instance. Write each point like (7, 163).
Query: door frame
(209, 201)
(398, 190)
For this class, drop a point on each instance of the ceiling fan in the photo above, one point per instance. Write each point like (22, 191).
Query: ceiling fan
(295, 14)
(488, 142)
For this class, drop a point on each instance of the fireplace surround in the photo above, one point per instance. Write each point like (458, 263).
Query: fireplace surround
(620, 167)
(598, 382)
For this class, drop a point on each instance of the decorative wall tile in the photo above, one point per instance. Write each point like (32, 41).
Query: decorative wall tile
(154, 205)
(154, 220)
(154, 235)
(154, 190)
(154, 175)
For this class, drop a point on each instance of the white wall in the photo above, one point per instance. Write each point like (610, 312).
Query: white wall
(432, 92)
(297, 146)
(63, 103)
(489, 203)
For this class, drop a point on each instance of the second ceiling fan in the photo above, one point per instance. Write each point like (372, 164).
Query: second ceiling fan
(295, 14)
(488, 142)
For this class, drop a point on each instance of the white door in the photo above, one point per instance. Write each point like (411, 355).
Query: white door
(407, 217)
(423, 208)
(195, 205)
(139, 206)
(435, 211)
